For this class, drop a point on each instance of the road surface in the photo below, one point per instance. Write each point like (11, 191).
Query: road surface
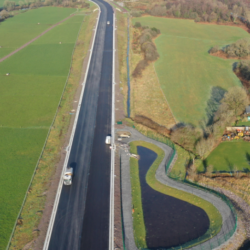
(82, 219)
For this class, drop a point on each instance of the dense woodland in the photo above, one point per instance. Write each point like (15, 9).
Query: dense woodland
(199, 10)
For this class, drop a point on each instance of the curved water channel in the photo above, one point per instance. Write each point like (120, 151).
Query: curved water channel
(169, 221)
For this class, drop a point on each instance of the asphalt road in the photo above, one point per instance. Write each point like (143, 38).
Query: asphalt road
(82, 219)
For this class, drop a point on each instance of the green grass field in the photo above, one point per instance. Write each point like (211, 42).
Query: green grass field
(186, 71)
(29, 98)
(242, 123)
(228, 155)
(20, 29)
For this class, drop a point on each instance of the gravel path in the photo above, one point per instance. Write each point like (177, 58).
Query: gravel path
(34, 39)
(227, 215)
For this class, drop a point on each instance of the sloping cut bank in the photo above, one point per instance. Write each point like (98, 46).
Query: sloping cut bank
(219, 213)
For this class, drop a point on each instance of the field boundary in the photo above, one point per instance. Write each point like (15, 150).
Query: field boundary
(52, 219)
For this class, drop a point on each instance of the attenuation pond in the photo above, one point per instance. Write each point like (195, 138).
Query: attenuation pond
(169, 222)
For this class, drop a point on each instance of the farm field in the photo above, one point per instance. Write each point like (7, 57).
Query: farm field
(23, 27)
(228, 155)
(28, 101)
(186, 71)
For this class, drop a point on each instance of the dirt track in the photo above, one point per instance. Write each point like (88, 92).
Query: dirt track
(34, 39)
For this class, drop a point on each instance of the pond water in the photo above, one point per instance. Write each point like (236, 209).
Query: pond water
(169, 221)
(245, 245)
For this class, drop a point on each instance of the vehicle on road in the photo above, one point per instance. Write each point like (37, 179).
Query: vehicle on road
(108, 139)
(108, 22)
(124, 135)
(68, 175)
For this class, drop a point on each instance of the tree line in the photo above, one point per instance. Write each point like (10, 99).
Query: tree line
(199, 10)
(31, 4)
(201, 141)
(239, 49)
(142, 43)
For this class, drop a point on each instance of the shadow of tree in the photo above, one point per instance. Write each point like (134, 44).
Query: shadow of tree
(204, 162)
(230, 165)
(248, 158)
(217, 93)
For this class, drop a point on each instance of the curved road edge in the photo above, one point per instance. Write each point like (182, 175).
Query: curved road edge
(226, 213)
(55, 206)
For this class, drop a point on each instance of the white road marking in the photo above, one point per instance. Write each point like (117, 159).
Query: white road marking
(59, 189)
(112, 171)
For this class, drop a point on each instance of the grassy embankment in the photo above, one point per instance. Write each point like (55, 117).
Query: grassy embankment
(20, 29)
(147, 97)
(186, 71)
(138, 222)
(28, 104)
(122, 53)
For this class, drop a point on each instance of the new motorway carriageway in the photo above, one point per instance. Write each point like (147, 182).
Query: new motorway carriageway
(82, 217)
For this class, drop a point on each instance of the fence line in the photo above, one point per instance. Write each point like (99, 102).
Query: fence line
(229, 225)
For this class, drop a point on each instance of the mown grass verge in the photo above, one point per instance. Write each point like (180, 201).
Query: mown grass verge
(213, 214)
(138, 219)
(122, 54)
(26, 229)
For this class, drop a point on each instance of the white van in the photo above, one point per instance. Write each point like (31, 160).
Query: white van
(108, 22)
(68, 174)
(108, 139)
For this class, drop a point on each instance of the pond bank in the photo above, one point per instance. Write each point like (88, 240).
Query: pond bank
(227, 216)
